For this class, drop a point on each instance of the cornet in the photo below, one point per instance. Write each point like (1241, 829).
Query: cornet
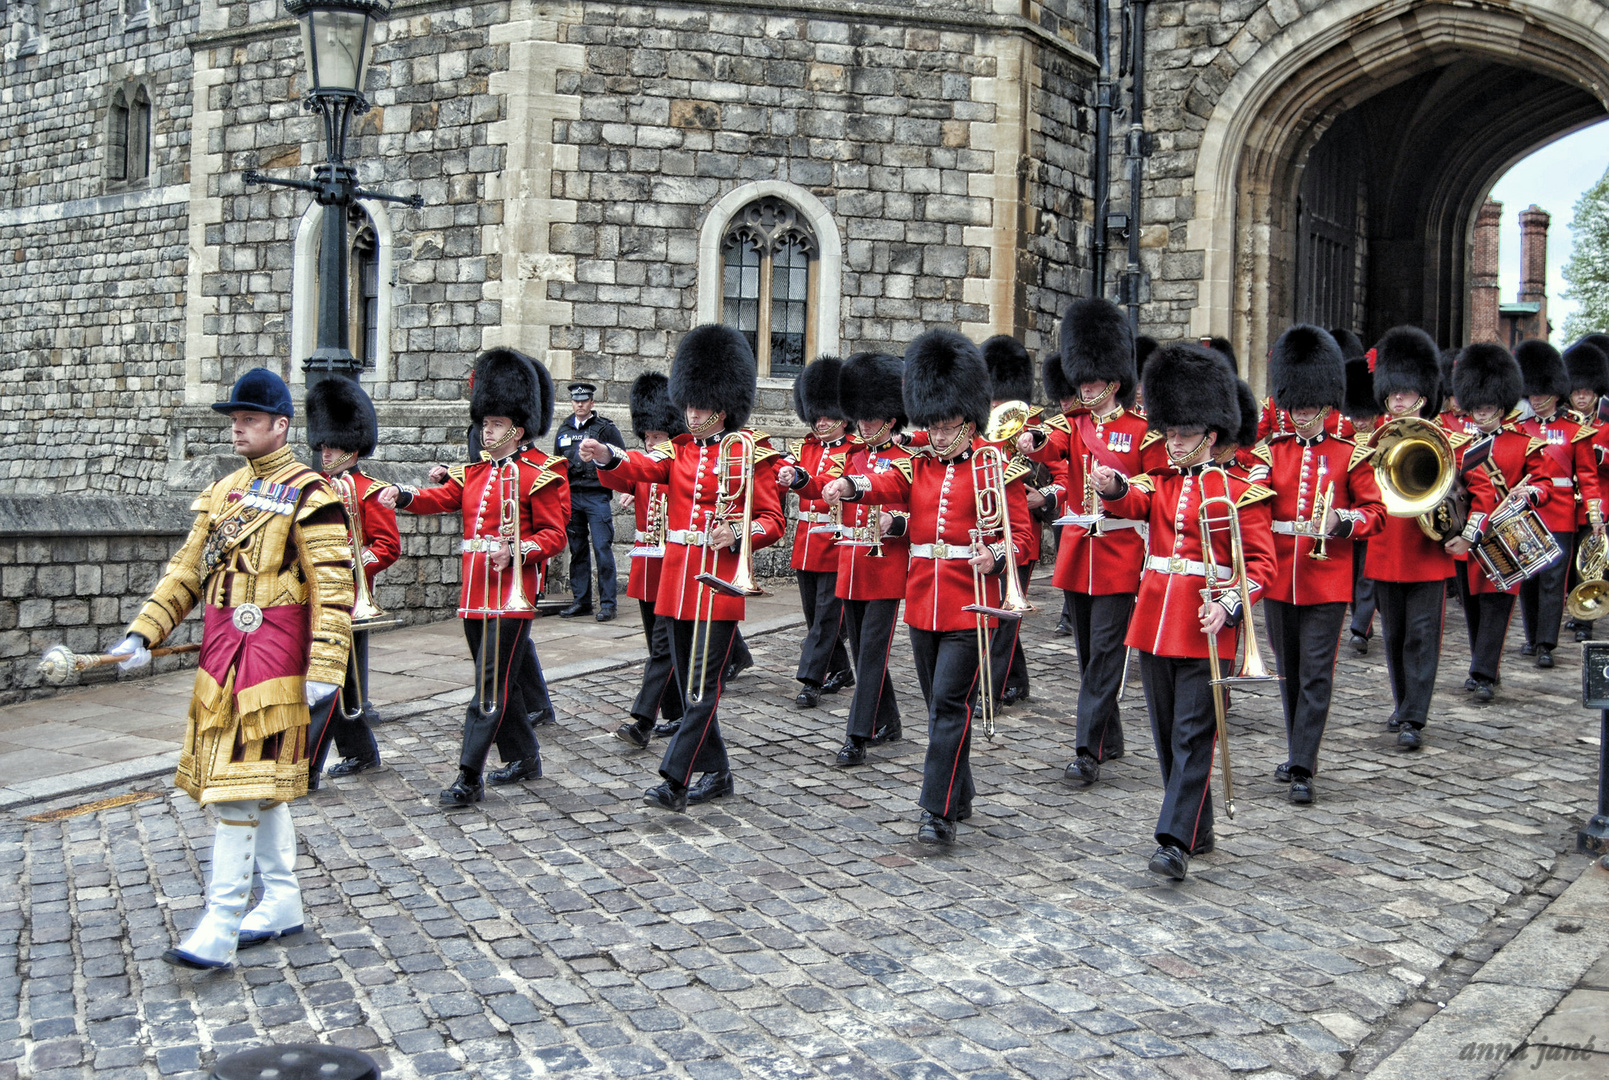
(1315, 528)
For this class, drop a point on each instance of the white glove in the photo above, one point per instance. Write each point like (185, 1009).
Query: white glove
(132, 651)
(318, 691)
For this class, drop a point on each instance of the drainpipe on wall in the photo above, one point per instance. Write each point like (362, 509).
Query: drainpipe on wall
(1104, 92)
(1138, 147)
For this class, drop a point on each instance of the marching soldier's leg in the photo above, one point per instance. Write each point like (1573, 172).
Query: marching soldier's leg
(697, 746)
(1424, 607)
(1101, 623)
(1189, 724)
(354, 741)
(1390, 596)
(213, 942)
(660, 694)
(279, 912)
(1551, 590)
(1318, 632)
(1486, 650)
(516, 741)
(946, 772)
(1284, 640)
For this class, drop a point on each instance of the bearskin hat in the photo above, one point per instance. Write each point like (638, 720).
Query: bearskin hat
(1011, 372)
(1360, 403)
(714, 369)
(1222, 346)
(1306, 370)
(1188, 386)
(1251, 413)
(1057, 388)
(1588, 368)
(815, 390)
(1598, 341)
(1144, 346)
(509, 383)
(1487, 375)
(1097, 345)
(871, 387)
(1447, 361)
(1350, 346)
(341, 416)
(1406, 359)
(945, 377)
(651, 409)
(1542, 368)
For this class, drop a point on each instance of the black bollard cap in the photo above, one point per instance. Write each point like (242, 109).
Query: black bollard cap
(297, 1061)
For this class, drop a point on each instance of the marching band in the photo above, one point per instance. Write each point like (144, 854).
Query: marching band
(1366, 480)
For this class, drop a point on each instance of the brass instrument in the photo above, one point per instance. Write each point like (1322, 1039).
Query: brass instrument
(1417, 474)
(60, 665)
(1218, 513)
(366, 614)
(1587, 601)
(993, 516)
(514, 600)
(1315, 528)
(734, 480)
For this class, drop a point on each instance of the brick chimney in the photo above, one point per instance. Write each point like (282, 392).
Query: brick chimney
(1534, 261)
(1484, 291)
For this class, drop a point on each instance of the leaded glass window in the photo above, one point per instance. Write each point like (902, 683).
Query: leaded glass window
(769, 259)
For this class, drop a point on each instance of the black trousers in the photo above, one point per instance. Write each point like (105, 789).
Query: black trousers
(871, 635)
(661, 692)
(823, 652)
(1178, 692)
(697, 746)
(1575, 577)
(1487, 615)
(740, 649)
(1005, 647)
(1304, 638)
(1099, 626)
(591, 530)
(1363, 602)
(352, 737)
(1542, 596)
(947, 668)
(507, 723)
(1410, 622)
(533, 684)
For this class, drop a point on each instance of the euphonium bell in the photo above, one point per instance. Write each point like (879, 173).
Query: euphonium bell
(1006, 421)
(1588, 600)
(1414, 466)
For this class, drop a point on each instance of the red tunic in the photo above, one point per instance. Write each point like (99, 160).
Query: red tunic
(381, 541)
(944, 511)
(1167, 612)
(687, 469)
(539, 485)
(816, 552)
(1573, 471)
(643, 584)
(1299, 473)
(1520, 458)
(1110, 560)
(1401, 551)
(861, 574)
(1600, 455)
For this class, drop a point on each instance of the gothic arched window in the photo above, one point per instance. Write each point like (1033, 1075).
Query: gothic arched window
(128, 135)
(769, 256)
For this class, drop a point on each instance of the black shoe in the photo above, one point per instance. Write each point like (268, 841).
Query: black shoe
(515, 771)
(667, 729)
(180, 958)
(633, 735)
(886, 734)
(1484, 691)
(1471, 682)
(371, 717)
(1113, 755)
(541, 717)
(851, 753)
(809, 697)
(1527, 649)
(575, 609)
(1393, 724)
(1170, 861)
(1583, 634)
(1083, 767)
(963, 811)
(605, 614)
(352, 766)
(667, 798)
(838, 680)
(936, 830)
(1013, 696)
(1206, 845)
(711, 786)
(1282, 773)
(1544, 656)
(1408, 738)
(736, 668)
(1301, 789)
(1360, 644)
(1063, 629)
(467, 789)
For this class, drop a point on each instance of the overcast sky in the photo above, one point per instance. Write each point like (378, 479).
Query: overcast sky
(1553, 178)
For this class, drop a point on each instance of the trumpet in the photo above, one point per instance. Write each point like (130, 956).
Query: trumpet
(366, 614)
(993, 516)
(505, 481)
(1218, 514)
(1587, 600)
(1315, 528)
(734, 481)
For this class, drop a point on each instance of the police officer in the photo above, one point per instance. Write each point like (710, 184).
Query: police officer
(589, 506)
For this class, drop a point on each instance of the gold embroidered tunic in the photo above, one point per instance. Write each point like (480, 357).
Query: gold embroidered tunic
(269, 556)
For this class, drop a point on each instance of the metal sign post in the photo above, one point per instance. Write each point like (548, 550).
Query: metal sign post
(1594, 838)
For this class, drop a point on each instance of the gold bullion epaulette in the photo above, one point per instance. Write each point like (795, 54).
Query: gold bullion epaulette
(1059, 422)
(1254, 493)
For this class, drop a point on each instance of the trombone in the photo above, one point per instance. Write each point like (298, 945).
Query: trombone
(1218, 514)
(366, 614)
(506, 480)
(993, 516)
(734, 480)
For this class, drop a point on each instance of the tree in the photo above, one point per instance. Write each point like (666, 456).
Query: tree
(1588, 268)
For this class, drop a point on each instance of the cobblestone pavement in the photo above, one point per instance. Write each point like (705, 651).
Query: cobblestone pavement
(796, 930)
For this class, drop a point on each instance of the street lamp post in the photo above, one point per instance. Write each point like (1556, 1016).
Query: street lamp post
(336, 35)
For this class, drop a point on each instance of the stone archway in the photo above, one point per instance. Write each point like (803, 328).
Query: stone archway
(1448, 97)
